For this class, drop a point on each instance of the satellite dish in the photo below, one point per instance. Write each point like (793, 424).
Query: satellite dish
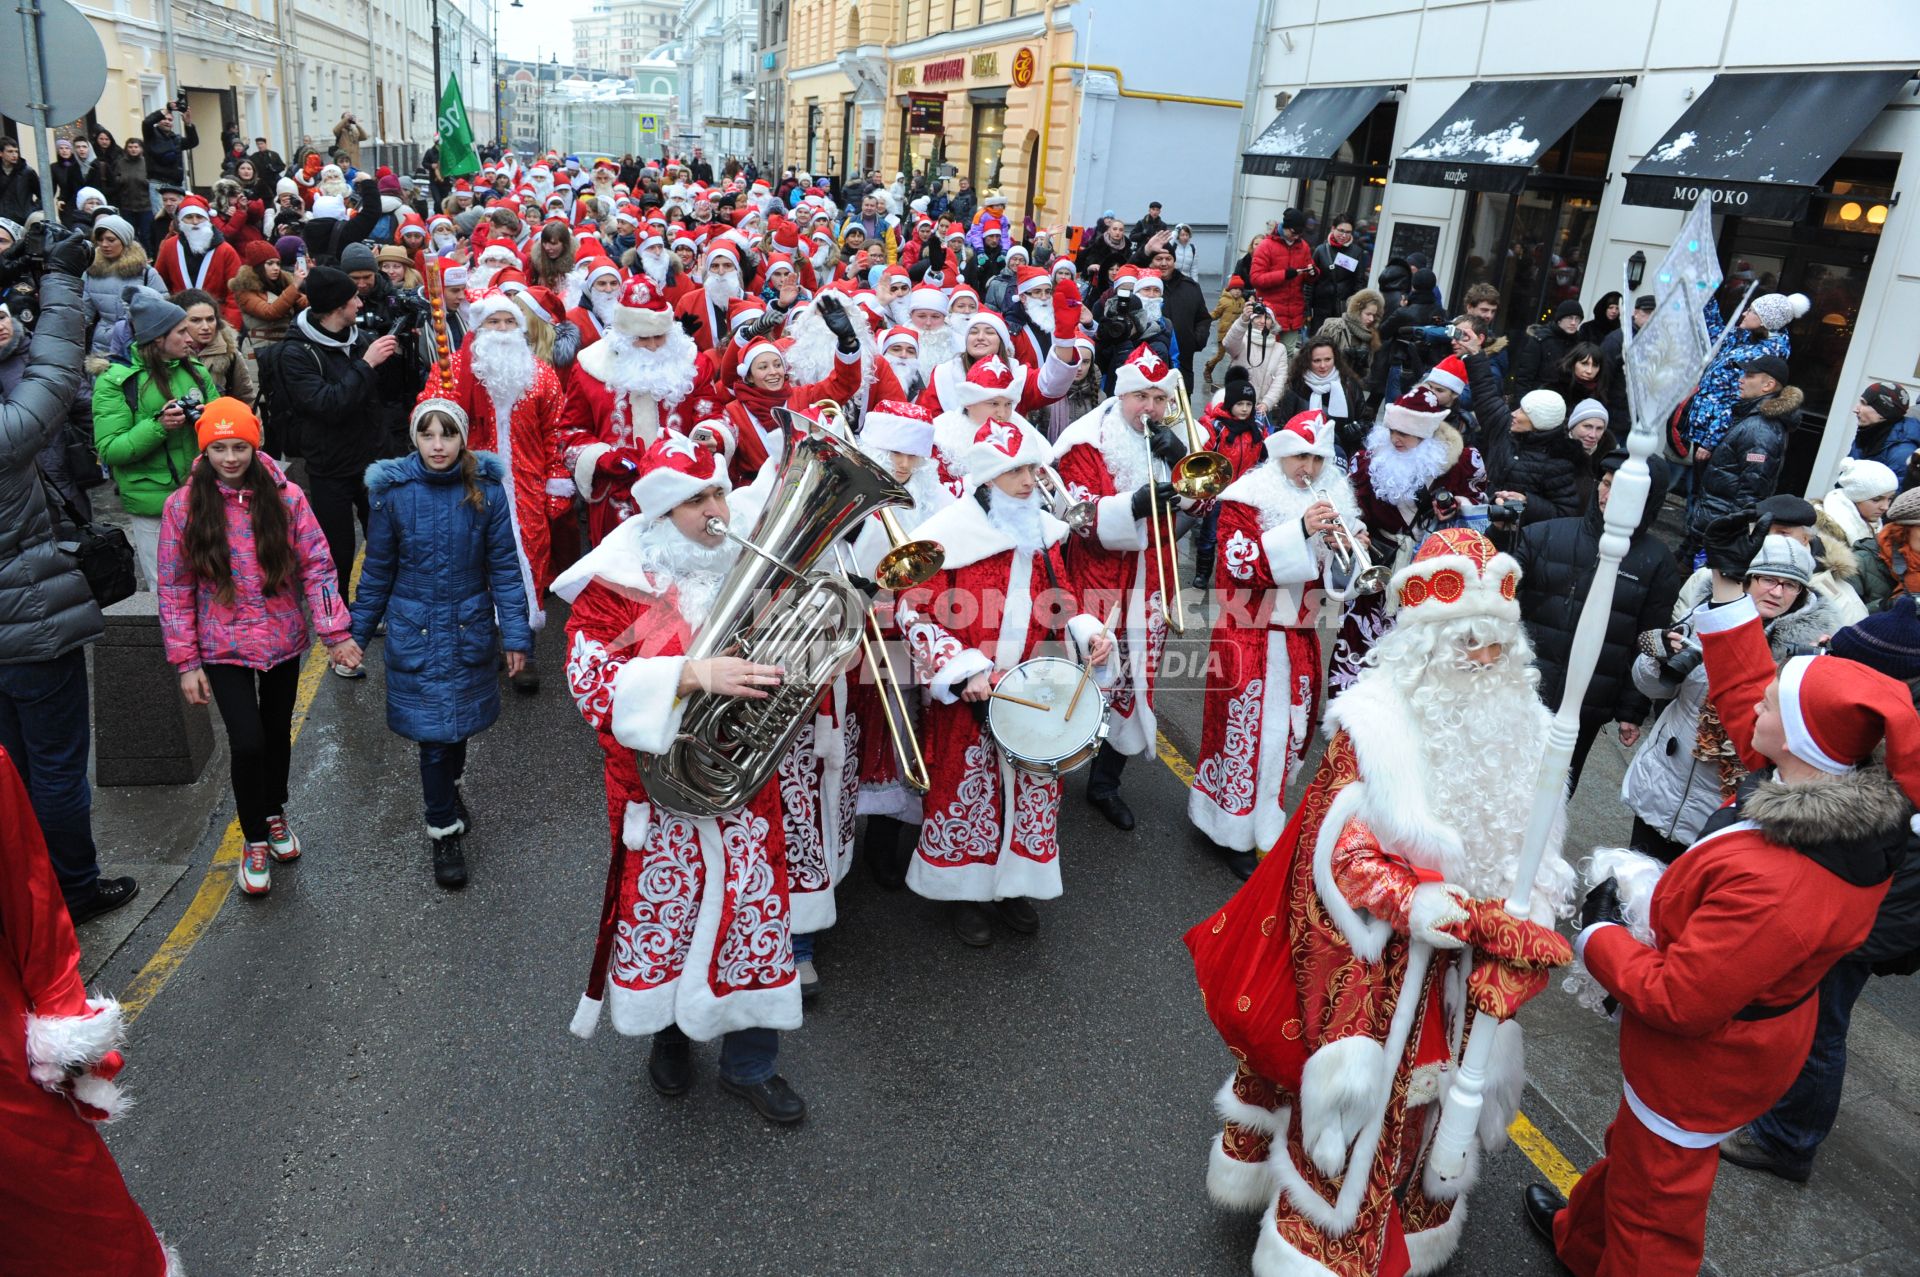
(70, 45)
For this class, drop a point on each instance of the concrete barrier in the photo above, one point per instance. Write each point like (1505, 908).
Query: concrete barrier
(144, 732)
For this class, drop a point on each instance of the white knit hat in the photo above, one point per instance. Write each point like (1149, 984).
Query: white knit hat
(1863, 480)
(1545, 409)
(1778, 310)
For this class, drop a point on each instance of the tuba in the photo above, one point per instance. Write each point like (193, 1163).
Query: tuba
(773, 608)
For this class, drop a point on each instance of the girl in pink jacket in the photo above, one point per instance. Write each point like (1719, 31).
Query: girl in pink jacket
(239, 552)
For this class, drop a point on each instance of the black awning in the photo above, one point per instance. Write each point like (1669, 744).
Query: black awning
(1490, 139)
(1758, 145)
(1307, 134)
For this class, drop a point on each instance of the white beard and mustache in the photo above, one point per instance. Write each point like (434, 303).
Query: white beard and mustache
(936, 348)
(664, 375)
(1396, 476)
(446, 243)
(503, 363)
(669, 556)
(479, 277)
(899, 313)
(721, 289)
(603, 305)
(1150, 308)
(815, 349)
(906, 369)
(656, 266)
(1125, 450)
(1039, 313)
(1018, 517)
(198, 234)
(923, 485)
(336, 186)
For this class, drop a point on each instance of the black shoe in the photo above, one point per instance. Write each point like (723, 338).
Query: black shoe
(1114, 808)
(971, 924)
(1742, 1149)
(772, 1099)
(1203, 574)
(1542, 1204)
(449, 862)
(670, 1067)
(1241, 863)
(108, 894)
(1019, 914)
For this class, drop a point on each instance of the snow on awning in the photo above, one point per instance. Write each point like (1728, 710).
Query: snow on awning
(1310, 131)
(1758, 145)
(1490, 139)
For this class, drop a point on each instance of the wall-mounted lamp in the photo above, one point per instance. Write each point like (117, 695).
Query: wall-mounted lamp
(1636, 269)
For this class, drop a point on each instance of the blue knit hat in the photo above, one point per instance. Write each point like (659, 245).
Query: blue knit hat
(1887, 641)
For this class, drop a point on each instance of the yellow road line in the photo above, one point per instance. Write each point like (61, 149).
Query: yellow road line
(1528, 1138)
(216, 884)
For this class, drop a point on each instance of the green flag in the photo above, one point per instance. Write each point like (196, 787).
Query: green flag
(456, 136)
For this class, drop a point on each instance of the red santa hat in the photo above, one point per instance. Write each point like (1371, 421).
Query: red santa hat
(652, 238)
(753, 350)
(989, 378)
(900, 333)
(924, 298)
(891, 273)
(997, 447)
(1306, 434)
(742, 311)
(1835, 713)
(499, 253)
(1062, 265)
(410, 223)
(440, 220)
(1450, 373)
(642, 311)
(898, 427)
(723, 248)
(778, 261)
(1457, 573)
(601, 269)
(962, 290)
(493, 301)
(676, 469)
(785, 235)
(1144, 370)
(1416, 413)
(193, 204)
(1028, 279)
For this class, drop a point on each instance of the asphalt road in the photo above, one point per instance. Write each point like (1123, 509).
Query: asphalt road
(364, 1074)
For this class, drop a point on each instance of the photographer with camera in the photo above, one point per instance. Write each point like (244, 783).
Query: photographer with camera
(49, 610)
(166, 149)
(384, 310)
(324, 388)
(143, 418)
(1533, 463)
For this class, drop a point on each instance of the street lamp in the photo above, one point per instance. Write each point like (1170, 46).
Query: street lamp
(1636, 269)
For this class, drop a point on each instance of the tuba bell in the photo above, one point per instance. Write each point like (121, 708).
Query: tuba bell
(775, 609)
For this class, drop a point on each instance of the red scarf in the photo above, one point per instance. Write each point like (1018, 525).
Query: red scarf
(759, 403)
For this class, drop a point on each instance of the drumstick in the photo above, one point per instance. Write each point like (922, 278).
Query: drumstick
(1020, 700)
(1086, 671)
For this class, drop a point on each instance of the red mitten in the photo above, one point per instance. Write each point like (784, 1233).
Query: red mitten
(1066, 310)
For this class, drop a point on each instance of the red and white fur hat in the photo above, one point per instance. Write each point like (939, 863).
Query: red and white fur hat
(643, 310)
(899, 427)
(1144, 370)
(1307, 433)
(676, 469)
(997, 447)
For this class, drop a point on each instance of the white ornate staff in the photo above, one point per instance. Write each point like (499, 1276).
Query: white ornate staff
(1663, 362)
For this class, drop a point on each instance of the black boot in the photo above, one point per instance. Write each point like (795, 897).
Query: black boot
(886, 861)
(1103, 787)
(449, 860)
(971, 924)
(527, 681)
(1203, 571)
(670, 1064)
(460, 808)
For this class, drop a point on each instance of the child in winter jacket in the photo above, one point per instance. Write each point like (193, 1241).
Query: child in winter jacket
(1238, 432)
(441, 566)
(1233, 300)
(239, 553)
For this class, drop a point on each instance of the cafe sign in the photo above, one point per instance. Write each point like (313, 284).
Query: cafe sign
(1023, 68)
(945, 72)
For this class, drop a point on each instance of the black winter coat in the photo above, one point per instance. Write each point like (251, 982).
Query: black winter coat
(164, 148)
(1402, 346)
(1185, 310)
(1745, 466)
(1350, 431)
(327, 399)
(1541, 351)
(1332, 285)
(1557, 560)
(1550, 469)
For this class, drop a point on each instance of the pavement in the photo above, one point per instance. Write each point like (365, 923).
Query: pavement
(361, 1073)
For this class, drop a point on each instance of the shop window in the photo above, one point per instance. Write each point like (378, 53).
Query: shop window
(1354, 183)
(989, 141)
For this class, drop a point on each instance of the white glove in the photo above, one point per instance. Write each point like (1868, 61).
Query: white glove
(1436, 905)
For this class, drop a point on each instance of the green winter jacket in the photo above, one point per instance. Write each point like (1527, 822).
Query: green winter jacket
(148, 461)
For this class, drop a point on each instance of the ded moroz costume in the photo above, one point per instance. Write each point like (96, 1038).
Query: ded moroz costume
(1345, 974)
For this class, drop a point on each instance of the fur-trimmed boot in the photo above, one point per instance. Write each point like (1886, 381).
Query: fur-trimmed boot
(449, 857)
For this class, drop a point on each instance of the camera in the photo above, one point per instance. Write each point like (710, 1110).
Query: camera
(191, 406)
(1445, 506)
(1505, 511)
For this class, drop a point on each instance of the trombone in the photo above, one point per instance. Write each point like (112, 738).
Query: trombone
(1201, 475)
(904, 566)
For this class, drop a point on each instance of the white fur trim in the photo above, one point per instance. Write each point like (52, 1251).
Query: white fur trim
(1080, 632)
(1585, 934)
(955, 673)
(1290, 556)
(1235, 1184)
(1374, 715)
(1482, 596)
(1436, 905)
(56, 1043)
(1708, 619)
(1341, 1084)
(634, 823)
(99, 1093)
(175, 1266)
(586, 1017)
(439, 831)
(1668, 1129)
(1793, 720)
(970, 536)
(636, 322)
(1274, 1257)
(1114, 524)
(1366, 936)
(583, 463)
(1231, 1108)
(1506, 1083)
(646, 710)
(1431, 1249)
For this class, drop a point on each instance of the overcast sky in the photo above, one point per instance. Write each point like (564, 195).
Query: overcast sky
(542, 27)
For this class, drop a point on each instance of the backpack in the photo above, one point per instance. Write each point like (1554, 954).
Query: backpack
(279, 422)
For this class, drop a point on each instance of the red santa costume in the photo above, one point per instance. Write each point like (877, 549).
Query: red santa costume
(622, 398)
(989, 379)
(759, 434)
(991, 830)
(209, 264)
(814, 349)
(1717, 1013)
(1038, 384)
(63, 1206)
(1264, 700)
(595, 311)
(1385, 481)
(1345, 974)
(512, 401)
(1103, 459)
(707, 306)
(696, 929)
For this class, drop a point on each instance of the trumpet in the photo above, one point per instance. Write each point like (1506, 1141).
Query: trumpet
(1201, 475)
(1077, 515)
(1353, 560)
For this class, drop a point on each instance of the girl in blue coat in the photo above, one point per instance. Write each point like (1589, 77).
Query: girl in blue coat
(440, 568)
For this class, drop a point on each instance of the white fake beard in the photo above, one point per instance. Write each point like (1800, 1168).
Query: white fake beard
(923, 485)
(721, 289)
(936, 348)
(957, 324)
(478, 277)
(656, 266)
(1482, 731)
(1394, 475)
(199, 236)
(905, 369)
(1125, 450)
(1040, 314)
(1279, 499)
(1018, 517)
(1150, 308)
(899, 314)
(336, 187)
(503, 363)
(603, 305)
(669, 556)
(815, 349)
(819, 259)
(664, 375)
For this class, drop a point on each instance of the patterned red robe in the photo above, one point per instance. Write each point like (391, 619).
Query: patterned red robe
(1263, 671)
(597, 419)
(990, 830)
(699, 931)
(1110, 564)
(529, 446)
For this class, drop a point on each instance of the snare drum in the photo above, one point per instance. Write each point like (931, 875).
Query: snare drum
(1047, 742)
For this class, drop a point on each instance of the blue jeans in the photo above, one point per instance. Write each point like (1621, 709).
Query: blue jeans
(45, 726)
(441, 767)
(1793, 1128)
(802, 947)
(747, 1056)
(1207, 534)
